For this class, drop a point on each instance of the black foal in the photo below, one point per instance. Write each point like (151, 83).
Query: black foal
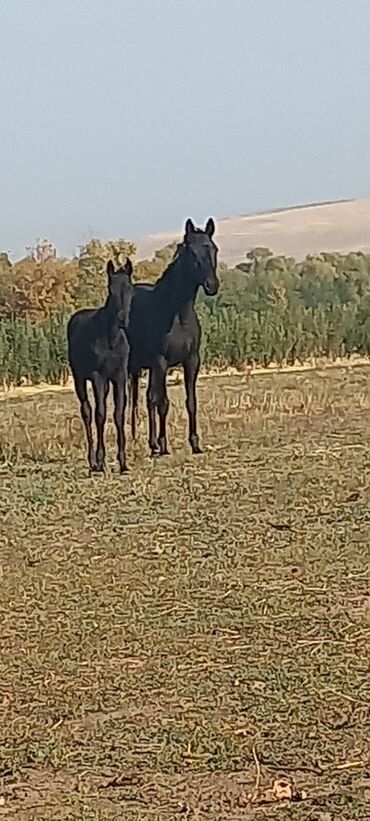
(98, 351)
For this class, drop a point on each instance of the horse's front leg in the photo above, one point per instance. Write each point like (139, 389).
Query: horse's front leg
(86, 413)
(100, 388)
(120, 401)
(162, 406)
(157, 401)
(191, 370)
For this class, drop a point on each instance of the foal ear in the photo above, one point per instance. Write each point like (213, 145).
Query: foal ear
(210, 228)
(128, 267)
(110, 268)
(189, 229)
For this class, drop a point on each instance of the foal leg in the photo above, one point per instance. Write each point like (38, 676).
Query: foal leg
(191, 370)
(100, 388)
(86, 413)
(120, 401)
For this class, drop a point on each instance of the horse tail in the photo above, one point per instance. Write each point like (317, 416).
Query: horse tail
(134, 402)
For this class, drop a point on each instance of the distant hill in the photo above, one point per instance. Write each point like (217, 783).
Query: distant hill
(329, 226)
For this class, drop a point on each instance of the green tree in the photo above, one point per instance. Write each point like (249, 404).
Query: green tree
(148, 270)
(5, 280)
(91, 285)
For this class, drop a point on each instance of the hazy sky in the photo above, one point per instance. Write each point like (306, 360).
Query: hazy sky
(123, 117)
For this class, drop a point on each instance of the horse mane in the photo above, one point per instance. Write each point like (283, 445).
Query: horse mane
(180, 248)
(167, 272)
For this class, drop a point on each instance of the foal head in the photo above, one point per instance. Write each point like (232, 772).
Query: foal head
(120, 291)
(202, 252)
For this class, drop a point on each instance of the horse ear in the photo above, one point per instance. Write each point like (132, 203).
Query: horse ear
(128, 267)
(210, 228)
(110, 268)
(189, 229)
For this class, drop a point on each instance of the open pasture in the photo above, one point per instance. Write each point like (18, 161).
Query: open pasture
(174, 640)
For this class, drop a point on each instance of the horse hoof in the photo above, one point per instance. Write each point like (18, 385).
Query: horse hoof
(97, 469)
(194, 444)
(123, 470)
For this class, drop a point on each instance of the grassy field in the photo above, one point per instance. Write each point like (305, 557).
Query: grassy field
(175, 640)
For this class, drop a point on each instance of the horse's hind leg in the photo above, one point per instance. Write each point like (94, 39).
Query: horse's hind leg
(151, 405)
(120, 401)
(100, 388)
(191, 370)
(134, 382)
(86, 413)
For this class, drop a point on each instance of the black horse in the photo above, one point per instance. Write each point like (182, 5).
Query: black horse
(98, 350)
(164, 330)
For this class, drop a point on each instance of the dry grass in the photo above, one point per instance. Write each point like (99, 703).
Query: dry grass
(173, 641)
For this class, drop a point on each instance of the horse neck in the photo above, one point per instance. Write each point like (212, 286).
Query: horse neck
(110, 308)
(176, 290)
(109, 312)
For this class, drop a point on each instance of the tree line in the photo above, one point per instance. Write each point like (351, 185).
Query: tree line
(270, 308)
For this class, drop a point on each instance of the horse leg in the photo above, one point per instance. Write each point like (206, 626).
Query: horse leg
(120, 401)
(134, 400)
(100, 388)
(86, 413)
(191, 370)
(151, 405)
(162, 406)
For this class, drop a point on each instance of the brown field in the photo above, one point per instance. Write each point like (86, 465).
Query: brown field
(174, 641)
(308, 229)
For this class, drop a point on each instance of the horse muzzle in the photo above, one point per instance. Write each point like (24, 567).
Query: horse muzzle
(211, 286)
(122, 318)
